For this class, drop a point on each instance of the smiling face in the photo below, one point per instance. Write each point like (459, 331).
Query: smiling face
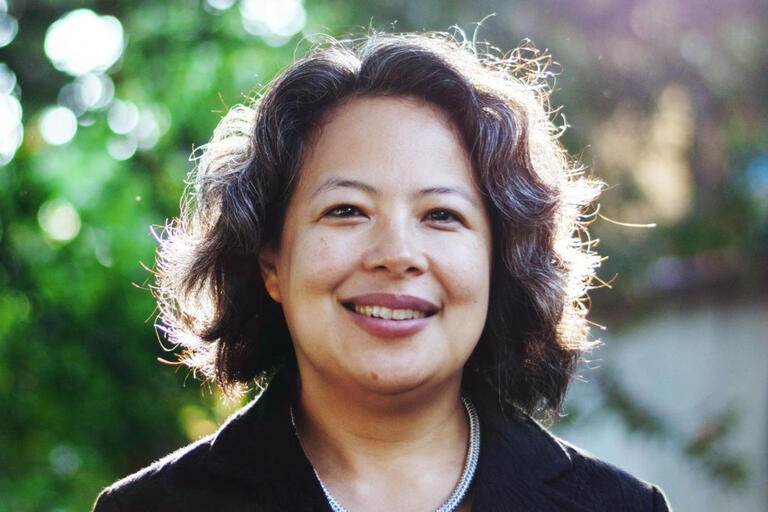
(384, 263)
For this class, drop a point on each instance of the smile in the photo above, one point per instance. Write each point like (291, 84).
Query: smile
(388, 313)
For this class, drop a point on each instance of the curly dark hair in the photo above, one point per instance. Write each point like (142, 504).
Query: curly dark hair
(212, 298)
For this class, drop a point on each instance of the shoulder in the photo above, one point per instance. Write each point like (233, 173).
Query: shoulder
(183, 470)
(604, 483)
(253, 458)
(524, 466)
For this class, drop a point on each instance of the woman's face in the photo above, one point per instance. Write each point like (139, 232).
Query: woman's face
(384, 264)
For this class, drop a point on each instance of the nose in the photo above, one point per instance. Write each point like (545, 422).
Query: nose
(395, 249)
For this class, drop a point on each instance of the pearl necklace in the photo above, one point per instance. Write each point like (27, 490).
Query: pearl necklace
(458, 494)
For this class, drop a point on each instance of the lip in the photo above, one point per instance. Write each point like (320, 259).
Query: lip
(392, 301)
(391, 328)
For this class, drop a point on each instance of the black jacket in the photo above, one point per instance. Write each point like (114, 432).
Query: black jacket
(255, 463)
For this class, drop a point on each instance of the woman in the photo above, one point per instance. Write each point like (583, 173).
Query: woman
(385, 240)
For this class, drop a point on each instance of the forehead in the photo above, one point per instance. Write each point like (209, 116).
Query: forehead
(400, 138)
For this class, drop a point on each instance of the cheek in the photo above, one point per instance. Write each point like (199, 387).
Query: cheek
(465, 272)
(318, 262)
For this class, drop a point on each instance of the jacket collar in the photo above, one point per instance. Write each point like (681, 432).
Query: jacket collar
(519, 463)
(518, 457)
(521, 441)
(258, 446)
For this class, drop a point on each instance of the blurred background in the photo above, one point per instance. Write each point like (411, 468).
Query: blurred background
(102, 102)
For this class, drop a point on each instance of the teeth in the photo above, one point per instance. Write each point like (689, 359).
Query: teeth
(389, 314)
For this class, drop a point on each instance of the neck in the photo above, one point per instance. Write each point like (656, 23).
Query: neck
(364, 445)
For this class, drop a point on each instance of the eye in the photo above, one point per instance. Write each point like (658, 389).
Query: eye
(343, 211)
(442, 216)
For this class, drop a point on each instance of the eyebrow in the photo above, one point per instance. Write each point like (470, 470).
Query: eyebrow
(448, 190)
(334, 182)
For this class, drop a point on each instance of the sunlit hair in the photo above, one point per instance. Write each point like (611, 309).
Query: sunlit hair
(212, 299)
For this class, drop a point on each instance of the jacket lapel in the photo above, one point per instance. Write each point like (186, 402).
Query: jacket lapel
(519, 462)
(258, 447)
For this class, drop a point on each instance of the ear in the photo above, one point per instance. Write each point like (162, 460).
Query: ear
(267, 264)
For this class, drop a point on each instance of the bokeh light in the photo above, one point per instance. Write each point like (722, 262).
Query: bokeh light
(7, 79)
(95, 91)
(220, 5)
(153, 122)
(121, 148)
(9, 27)
(123, 117)
(87, 92)
(756, 183)
(58, 125)
(10, 113)
(135, 128)
(273, 20)
(11, 129)
(83, 42)
(196, 422)
(59, 220)
(64, 460)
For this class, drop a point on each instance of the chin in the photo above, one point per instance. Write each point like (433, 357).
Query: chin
(387, 382)
(392, 387)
